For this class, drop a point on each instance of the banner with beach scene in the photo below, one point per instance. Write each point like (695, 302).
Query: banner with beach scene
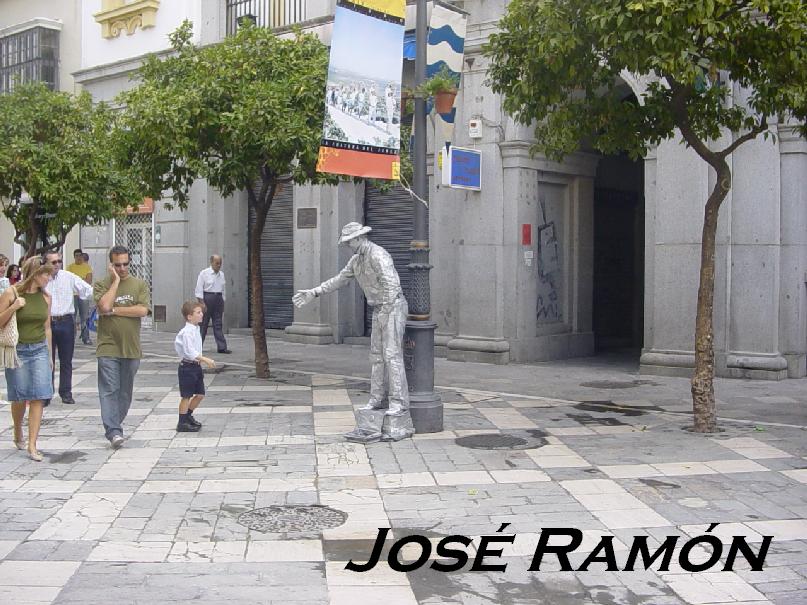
(361, 135)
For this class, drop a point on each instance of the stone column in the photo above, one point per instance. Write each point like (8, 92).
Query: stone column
(793, 251)
(754, 288)
(317, 257)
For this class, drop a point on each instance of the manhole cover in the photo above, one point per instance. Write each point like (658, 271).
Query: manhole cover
(517, 440)
(290, 519)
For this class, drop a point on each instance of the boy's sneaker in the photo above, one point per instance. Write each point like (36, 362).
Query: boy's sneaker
(185, 426)
(193, 421)
(117, 442)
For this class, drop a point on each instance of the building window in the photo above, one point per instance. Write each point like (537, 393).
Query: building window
(264, 13)
(31, 55)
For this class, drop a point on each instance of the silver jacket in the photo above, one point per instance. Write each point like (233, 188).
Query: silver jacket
(373, 268)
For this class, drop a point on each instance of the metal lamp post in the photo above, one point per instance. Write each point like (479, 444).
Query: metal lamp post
(425, 405)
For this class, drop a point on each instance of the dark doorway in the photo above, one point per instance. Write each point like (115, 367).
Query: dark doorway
(618, 312)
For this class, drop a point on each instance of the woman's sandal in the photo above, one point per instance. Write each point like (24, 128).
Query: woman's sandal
(36, 455)
(20, 444)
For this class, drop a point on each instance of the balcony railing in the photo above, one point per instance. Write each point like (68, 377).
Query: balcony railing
(264, 13)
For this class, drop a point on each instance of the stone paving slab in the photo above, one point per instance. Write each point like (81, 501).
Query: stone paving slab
(158, 521)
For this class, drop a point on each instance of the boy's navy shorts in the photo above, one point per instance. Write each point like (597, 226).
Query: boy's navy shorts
(191, 379)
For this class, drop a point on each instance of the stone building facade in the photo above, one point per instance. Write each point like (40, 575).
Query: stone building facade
(549, 260)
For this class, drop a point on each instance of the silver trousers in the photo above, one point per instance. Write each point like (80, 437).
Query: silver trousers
(388, 374)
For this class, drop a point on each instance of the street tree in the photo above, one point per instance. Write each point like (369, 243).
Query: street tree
(244, 114)
(57, 168)
(558, 64)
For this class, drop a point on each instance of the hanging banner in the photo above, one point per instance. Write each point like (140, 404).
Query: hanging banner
(445, 48)
(362, 132)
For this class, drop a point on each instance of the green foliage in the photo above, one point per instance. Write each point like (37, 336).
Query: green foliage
(250, 106)
(56, 150)
(558, 63)
(442, 81)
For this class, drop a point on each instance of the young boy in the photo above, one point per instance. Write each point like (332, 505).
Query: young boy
(188, 345)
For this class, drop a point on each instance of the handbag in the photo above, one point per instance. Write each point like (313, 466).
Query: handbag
(9, 337)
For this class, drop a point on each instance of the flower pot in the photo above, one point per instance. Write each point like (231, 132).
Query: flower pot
(444, 101)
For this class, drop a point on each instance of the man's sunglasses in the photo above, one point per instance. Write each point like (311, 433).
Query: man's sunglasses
(121, 264)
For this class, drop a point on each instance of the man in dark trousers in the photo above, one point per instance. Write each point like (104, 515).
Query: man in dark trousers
(211, 289)
(62, 288)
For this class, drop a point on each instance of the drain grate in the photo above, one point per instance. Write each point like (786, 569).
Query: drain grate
(517, 440)
(291, 519)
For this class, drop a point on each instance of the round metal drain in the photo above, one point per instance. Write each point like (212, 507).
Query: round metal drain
(516, 440)
(290, 519)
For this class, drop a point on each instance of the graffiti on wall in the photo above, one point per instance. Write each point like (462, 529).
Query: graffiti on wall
(549, 270)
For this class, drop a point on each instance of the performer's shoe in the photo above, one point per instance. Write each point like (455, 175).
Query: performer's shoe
(359, 436)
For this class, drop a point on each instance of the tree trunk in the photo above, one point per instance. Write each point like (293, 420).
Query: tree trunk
(256, 283)
(33, 230)
(703, 392)
(261, 202)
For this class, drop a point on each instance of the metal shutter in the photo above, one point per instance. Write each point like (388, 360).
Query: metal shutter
(391, 217)
(277, 260)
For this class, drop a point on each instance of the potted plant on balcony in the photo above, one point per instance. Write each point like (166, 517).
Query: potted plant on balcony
(442, 87)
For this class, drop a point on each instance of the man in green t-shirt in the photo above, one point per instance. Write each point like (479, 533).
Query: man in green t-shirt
(122, 301)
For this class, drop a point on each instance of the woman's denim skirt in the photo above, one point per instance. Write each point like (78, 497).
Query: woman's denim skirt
(33, 380)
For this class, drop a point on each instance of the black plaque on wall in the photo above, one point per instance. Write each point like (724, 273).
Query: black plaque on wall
(306, 218)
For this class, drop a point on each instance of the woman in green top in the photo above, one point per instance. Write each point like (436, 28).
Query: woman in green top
(31, 383)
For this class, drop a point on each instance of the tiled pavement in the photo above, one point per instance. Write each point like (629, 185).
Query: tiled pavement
(156, 522)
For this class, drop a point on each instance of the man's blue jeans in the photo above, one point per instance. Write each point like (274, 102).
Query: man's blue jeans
(83, 312)
(115, 384)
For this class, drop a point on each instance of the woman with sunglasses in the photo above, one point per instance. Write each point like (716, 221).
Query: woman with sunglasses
(31, 382)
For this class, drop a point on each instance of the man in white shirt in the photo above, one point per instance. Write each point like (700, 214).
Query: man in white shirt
(63, 286)
(211, 289)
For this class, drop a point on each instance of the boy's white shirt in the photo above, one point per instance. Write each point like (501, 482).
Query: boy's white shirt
(188, 343)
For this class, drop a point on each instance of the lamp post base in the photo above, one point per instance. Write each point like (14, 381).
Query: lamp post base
(425, 404)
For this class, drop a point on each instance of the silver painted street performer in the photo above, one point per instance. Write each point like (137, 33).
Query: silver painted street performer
(386, 416)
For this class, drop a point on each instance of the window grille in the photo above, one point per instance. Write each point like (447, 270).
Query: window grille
(264, 13)
(31, 55)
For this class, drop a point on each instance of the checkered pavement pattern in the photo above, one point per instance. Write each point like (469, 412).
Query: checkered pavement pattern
(156, 521)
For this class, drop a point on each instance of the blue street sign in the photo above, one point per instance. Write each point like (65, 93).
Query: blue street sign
(465, 167)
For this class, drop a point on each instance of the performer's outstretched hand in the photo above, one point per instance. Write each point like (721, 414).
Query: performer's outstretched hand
(303, 297)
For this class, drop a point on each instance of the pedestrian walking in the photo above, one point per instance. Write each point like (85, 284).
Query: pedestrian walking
(82, 269)
(211, 289)
(63, 288)
(188, 345)
(373, 268)
(122, 301)
(29, 364)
